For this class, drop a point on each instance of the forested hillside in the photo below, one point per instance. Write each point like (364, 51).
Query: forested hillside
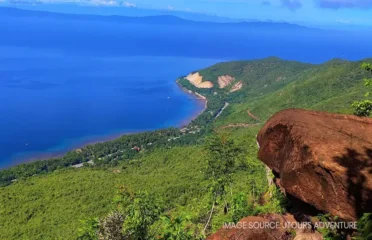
(51, 200)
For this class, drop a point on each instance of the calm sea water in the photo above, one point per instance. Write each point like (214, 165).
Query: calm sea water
(53, 102)
(65, 83)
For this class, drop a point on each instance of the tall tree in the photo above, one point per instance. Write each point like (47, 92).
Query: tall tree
(222, 154)
(177, 228)
(140, 215)
(132, 218)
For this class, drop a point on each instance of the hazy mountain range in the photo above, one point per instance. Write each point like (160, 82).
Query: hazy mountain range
(161, 18)
(121, 11)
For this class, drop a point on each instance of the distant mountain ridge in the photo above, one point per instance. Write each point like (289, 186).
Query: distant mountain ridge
(156, 19)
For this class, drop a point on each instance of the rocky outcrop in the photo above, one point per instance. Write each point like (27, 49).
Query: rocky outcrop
(267, 227)
(197, 80)
(225, 80)
(322, 159)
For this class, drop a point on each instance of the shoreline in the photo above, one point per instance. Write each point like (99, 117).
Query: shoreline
(50, 154)
(34, 156)
(199, 98)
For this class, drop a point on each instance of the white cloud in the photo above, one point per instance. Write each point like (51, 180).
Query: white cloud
(85, 2)
(105, 2)
(344, 21)
(129, 4)
(171, 8)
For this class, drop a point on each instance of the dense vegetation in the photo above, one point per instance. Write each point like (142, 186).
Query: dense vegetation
(63, 198)
(364, 108)
(196, 178)
(105, 154)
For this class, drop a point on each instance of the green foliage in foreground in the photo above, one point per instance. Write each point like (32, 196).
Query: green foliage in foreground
(365, 227)
(136, 221)
(241, 207)
(364, 108)
(136, 214)
(363, 231)
(177, 228)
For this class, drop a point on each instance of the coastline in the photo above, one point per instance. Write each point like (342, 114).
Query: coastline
(25, 158)
(199, 98)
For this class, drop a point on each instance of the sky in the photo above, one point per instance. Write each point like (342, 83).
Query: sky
(315, 12)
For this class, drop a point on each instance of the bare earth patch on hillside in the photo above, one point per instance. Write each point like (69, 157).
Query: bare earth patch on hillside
(237, 86)
(197, 80)
(225, 80)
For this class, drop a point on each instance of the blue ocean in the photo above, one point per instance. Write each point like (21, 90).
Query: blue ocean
(67, 82)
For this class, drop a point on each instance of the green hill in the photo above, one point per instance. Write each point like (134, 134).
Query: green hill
(48, 199)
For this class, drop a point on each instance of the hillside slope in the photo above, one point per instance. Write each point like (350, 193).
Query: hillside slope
(46, 206)
(271, 84)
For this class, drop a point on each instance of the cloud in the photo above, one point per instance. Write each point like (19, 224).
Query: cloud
(129, 4)
(85, 2)
(266, 3)
(336, 4)
(344, 21)
(171, 8)
(292, 4)
(105, 2)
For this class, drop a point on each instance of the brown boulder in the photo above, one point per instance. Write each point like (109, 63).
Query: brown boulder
(322, 159)
(267, 227)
